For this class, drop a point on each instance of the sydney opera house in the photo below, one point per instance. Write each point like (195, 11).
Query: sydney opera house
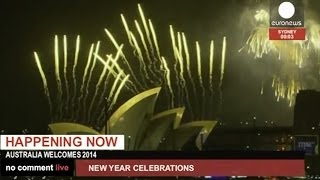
(143, 129)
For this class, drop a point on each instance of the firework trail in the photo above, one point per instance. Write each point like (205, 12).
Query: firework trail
(143, 41)
(165, 84)
(223, 59)
(89, 79)
(144, 22)
(155, 44)
(143, 67)
(262, 88)
(118, 78)
(116, 95)
(211, 75)
(98, 88)
(134, 44)
(211, 66)
(84, 80)
(65, 49)
(57, 73)
(200, 77)
(155, 40)
(147, 31)
(114, 64)
(168, 80)
(108, 99)
(179, 43)
(187, 58)
(137, 50)
(106, 64)
(116, 45)
(173, 40)
(186, 50)
(199, 63)
(180, 61)
(187, 55)
(184, 91)
(146, 50)
(104, 91)
(181, 81)
(44, 80)
(176, 57)
(74, 76)
(126, 27)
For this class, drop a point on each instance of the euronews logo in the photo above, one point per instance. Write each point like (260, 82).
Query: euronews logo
(286, 13)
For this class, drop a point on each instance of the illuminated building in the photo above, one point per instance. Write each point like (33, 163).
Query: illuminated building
(306, 112)
(306, 122)
(142, 129)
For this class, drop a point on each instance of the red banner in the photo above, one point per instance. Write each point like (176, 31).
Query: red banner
(183, 167)
(287, 33)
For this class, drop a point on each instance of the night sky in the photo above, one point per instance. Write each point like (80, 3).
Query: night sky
(29, 26)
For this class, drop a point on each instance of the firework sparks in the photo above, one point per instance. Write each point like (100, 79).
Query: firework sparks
(143, 67)
(44, 80)
(108, 99)
(199, 63)
(84, 79)
(106, 80)
(187, 58)
(223, 59)
(76, 56)
(154, 36)
(116, 95)
(184, 92)
(145, 25)
(65, 50)
(116, 45)
(176, 56)
(167, 72)
(289, 52)
(186, 51)
(115, 75)
(200, 77)
(104, 71)
(118, 78)
(57, 73)
(211, 66)
(142, 38)
(262, 88)
(94, 61)
(180, 60)
(147, 31)
(126, 27)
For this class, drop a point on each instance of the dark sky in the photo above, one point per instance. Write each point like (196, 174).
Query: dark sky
(30, 26)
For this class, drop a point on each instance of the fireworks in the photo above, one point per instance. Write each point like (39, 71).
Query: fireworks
(103, 80)
(75, 64)
(294, 55)
(44, 80)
